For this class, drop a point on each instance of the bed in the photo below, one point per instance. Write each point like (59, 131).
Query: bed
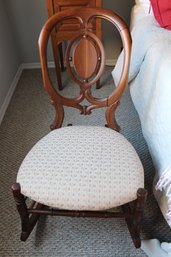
(150, 88)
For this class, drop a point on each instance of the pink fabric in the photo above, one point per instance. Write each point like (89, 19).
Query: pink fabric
(164, 184)
(162, 12)
(164, 180)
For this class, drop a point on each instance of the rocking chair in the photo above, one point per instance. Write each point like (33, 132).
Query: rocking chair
(82, 171)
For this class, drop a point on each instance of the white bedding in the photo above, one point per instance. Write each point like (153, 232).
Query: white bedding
(150, 88)
(139, 11)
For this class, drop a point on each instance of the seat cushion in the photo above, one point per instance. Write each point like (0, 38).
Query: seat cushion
(82, 168)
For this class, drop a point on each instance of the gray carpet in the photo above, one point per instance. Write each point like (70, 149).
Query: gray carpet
(26, 121)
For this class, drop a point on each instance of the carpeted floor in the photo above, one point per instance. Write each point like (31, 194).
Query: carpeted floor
(26, 121)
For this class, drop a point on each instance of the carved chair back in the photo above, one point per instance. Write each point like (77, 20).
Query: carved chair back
(85, 62)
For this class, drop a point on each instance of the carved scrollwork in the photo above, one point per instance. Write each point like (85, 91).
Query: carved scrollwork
(85, 61)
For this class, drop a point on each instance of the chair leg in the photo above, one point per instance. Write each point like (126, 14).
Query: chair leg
(56, 53)
(137, 216)
(27, 221)
(61, 57)
(58, 70)
(98, 86)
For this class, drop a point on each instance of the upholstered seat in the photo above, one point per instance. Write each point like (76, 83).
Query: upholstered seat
(82, 168)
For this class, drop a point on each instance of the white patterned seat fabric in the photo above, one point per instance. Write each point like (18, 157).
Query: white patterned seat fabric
(82, 168)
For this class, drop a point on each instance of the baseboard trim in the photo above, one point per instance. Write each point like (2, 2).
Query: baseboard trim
(10, 93)
(35, 65)
(111, 62)
(3, 108)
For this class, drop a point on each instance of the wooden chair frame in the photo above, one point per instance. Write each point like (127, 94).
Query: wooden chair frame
(85, 79)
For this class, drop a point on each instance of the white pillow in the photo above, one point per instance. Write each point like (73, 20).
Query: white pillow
(142, 1)
(138, 12)
(145, 4)
(147, 8)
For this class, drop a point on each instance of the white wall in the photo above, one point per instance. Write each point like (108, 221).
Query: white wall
(122, 7)
(111, 40)
(9, 59)
(28, 16)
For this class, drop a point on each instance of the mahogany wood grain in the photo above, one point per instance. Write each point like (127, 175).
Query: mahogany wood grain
(68, 29)
(85, 58)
